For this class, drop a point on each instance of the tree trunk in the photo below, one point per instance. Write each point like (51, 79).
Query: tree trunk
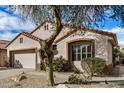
(49, 68)
(46, 45)
(46, 58)
(50, 74)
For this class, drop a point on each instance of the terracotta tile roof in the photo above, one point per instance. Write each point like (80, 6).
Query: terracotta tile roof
(27, 35)
(110, 34)
(114, 38)
(30, 36)
(3, 44)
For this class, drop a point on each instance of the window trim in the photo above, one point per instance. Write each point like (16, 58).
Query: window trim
(92, 52)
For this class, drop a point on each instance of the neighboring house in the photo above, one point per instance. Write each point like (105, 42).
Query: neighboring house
(122, 48)
(3, 53)
(72, 45)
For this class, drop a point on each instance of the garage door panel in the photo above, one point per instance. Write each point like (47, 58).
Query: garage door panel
(25, 60)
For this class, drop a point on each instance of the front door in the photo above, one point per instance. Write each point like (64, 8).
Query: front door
(80, 51)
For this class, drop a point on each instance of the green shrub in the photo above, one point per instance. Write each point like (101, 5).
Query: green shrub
(94, 66)
(77, 79)
(60, 64)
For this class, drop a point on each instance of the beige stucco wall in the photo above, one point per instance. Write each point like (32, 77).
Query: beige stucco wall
(42, 33)
(101, 45)
(28, 43)
(103, 48)
(110, 52)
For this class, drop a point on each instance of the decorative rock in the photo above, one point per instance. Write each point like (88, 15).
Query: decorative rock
(17, 84)
(95, 74)
(19, 77)
(106, 82)
(61, 86)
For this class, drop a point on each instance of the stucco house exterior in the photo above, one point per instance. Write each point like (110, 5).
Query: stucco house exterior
(72, 45)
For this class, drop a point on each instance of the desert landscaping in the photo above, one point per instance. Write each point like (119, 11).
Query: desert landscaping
(38, 80)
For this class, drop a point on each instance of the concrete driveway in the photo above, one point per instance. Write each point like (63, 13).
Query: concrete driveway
(12, 72)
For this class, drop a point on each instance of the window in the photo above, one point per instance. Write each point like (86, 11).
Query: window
(46, 27)
(54, 47)
(81, 51)
(21, 40)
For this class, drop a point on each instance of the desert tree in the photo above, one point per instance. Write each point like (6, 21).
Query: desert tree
(74, 16)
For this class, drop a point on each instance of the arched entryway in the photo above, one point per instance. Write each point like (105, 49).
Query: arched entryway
(77, 50)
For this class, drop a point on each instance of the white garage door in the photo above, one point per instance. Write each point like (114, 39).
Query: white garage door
(26, 60)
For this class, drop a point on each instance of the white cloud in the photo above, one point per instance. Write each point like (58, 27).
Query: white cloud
(13, 22)
(7, 35)
(121, 42)
(10, 23)
(119, 31)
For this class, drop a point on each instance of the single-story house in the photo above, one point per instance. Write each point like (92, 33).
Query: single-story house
(3, 53)
(73, 45)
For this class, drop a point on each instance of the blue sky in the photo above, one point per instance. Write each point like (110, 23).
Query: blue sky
(11, 25)
(114, 27)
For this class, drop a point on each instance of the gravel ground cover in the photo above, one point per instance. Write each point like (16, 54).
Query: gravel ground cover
(40, 81)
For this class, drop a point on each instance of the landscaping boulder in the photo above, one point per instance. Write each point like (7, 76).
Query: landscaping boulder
(19, 77)
(61, 86)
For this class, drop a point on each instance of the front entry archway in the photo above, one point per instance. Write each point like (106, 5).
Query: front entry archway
(79, 50)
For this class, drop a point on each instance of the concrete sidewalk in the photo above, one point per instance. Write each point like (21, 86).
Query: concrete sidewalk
(109, 79)
(64, 76)
(12, 72)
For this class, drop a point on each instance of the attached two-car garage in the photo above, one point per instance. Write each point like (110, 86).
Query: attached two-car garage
(23, 58)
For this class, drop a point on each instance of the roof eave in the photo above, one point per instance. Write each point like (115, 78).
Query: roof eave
(12, 40)
(24, 35)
